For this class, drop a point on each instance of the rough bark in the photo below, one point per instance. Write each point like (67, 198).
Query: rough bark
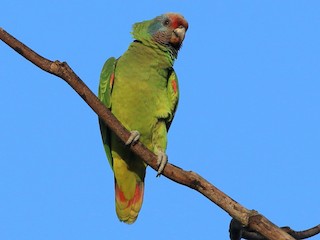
(247, 218)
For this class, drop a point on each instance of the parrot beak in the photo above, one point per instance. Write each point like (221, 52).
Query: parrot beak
(177, 37)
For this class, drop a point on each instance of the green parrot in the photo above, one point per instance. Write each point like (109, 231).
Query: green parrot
(141, 90)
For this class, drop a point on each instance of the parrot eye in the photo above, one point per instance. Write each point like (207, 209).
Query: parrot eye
(166, 22)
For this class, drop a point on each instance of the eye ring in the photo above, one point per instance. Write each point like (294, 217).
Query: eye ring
(166, 22)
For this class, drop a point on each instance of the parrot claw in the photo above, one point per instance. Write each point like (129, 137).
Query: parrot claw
(161, 162)
(134, 137)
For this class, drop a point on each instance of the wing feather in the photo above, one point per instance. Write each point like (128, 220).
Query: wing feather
(104, 94)
(173, 95)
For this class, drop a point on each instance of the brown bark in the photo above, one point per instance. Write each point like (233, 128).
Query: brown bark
(248, 218)
(237, 231)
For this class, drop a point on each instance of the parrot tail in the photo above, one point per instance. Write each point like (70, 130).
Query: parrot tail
(128, 209)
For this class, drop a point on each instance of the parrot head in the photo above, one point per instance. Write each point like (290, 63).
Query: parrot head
(167, 30)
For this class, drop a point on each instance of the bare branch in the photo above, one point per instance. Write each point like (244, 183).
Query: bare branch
(237, 231)
(249, 218)
(303, 234)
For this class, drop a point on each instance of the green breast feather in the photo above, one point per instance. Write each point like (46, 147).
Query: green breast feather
(141, 90)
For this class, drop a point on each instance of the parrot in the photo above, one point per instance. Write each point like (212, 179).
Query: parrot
(141, 89)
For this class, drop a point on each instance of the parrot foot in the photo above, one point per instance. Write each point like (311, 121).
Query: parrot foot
(134, 137)
(161, 162)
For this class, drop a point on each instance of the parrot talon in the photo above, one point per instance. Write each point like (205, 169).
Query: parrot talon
(134, 137)
(161, 162)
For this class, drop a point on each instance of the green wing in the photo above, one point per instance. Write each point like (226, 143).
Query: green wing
(173, 94)
(104, 94)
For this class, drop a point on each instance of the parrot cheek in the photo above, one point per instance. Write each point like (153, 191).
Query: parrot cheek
(175, 41)
(177, 36)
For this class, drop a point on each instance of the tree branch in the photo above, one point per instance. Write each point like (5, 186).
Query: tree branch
(248, 218)
(237, 231)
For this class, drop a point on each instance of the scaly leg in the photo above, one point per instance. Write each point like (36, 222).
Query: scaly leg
(159, 141)
(134, 137)
(161, 161)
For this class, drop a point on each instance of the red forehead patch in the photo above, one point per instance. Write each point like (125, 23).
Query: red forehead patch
(177, 20)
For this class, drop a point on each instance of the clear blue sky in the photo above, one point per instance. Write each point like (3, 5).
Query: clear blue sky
(248, 119)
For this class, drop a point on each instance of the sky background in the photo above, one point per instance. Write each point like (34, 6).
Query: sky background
(248, 119)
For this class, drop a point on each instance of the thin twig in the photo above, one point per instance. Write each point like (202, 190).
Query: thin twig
(246, 217)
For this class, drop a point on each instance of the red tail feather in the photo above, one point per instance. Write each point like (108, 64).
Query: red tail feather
(128, 209)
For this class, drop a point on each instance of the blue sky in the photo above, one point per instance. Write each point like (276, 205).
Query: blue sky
(248, 119)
